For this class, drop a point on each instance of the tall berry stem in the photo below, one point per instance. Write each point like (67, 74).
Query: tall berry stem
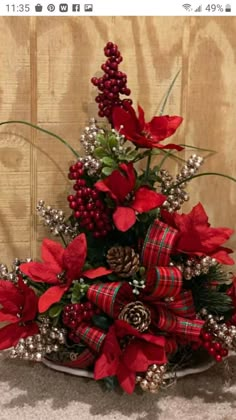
(44, 131)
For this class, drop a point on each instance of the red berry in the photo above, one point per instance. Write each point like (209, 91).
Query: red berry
(90, 226)
(72, 168)
(217, 346)
(206, 336)
(77, 214)
(94, 81)
(218, 358)
(212, 351)
(73, 205)
(224, 352)
(70, 198)
(207, 345)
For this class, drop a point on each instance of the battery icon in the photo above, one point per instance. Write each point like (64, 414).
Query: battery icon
(228, 8)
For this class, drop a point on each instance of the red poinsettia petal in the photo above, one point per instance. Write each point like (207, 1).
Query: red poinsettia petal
(6, 316)
(125, 121)
(30, 306)
(52, 253)
(163, 126)
(10, 334)
(120, 183)
(40, 272)
(141, 118)
(167, 146)
(124, 218)
(146, 200)
(51, 296)
(127, 379)
(129, 171)
(134, 357)
(96, 272)
(107, 363)
(222, 256)
(141, 353)
(105, 366)
(122, 328)
(10, 298)
(74, 257)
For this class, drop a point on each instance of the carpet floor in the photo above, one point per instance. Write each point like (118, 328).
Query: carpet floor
(34, 392)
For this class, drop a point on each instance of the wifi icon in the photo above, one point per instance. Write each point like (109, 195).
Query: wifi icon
(187, 7)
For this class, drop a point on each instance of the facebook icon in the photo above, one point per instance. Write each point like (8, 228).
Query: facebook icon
(63, 7)
(75, 7)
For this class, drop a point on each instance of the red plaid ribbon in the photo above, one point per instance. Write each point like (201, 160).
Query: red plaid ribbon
(177, 315)
(172, 309)
(92, 336)
(110, 297)
(158, 245)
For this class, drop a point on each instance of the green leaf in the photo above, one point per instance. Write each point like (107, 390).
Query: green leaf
(55, 310)
(79, 290)
(99, 152)
(112, 142)
(107, 171)
(110, 382)
(108, 161)
(102, 321)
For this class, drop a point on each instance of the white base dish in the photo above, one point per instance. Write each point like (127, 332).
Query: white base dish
(87, 374)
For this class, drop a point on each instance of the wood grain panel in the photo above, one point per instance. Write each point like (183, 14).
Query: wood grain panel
(15, 149)
(46, 65)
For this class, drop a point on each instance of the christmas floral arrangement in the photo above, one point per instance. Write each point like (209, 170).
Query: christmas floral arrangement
(134, 287)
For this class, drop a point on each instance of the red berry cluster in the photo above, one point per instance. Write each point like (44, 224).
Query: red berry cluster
(214, 348)
(87, 204)
(75, 314)
(112, 83)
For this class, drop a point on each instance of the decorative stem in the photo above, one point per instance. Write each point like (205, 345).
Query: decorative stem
(44, 131)
(63, 239)
(148, 165)
(203, 174)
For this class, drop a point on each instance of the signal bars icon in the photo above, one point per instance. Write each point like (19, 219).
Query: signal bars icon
(199, 9)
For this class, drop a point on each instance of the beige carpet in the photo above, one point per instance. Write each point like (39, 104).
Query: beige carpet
(30, 392)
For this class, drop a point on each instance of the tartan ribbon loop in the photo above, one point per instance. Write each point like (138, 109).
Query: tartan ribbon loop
(175, 316)
(110, 297)
(163, 282)
(172, 309)
(158, 245)
(92, 336)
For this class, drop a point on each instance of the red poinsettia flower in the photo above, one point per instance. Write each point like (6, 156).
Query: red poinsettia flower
(144, 134)
(140, 352)
(19, 306)
(59, 268)
(120, 185)
(197, 237)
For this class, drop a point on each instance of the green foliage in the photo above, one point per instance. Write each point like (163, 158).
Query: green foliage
(55, 310)
(102, 321)
(111, 151)
(110, 382)
(215, 301)
(79, 290)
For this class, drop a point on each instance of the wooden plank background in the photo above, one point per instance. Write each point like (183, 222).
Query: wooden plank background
(45, 70)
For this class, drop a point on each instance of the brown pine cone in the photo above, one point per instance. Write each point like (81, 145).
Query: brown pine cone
(137, 315)
(123, 260)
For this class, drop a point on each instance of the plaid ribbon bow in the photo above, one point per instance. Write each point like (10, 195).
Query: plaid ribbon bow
(172, 309)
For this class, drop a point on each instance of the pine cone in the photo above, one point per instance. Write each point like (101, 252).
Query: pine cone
(123, 260)
(137, 315)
